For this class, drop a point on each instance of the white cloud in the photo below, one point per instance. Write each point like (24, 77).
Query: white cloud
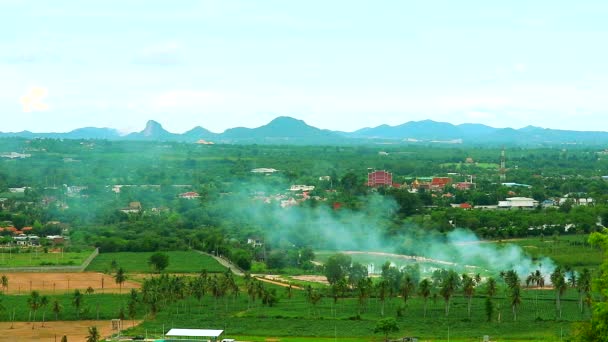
(33, 100)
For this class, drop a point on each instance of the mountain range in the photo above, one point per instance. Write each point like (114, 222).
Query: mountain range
(287, 130)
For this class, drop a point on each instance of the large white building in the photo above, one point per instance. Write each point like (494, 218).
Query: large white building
(517, 202)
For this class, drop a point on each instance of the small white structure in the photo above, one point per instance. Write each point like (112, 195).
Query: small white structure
(189, 333)
(300, 187)
(518, 202)
(264, 170)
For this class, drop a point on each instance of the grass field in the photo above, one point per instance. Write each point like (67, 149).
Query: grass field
(137, 262)
(567, 250)
(297, 320)
(40, 258)
(108, 305)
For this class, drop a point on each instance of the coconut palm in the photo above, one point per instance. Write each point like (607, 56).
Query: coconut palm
(449, 285)
(559, 284)
(424, 289)
(515, 299)
(93, 335)
(77, 300)
(56, 308)
(44, 301)
(408, 286)
(583, 286)
(383, 291)
(120, 277)
(468, 287)
(34, 303)
(491, 287)
(4, 282)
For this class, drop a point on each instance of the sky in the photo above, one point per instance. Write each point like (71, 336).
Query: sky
(340, 65)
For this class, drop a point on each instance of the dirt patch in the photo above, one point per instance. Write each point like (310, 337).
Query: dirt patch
(276, 280)
(54, 330)
(23, 283)
(312, 278)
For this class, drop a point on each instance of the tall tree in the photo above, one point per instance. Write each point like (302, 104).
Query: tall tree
(34, 302)
(120, 277)
(56, 308)
(44, 301)
(424, 289)
(559, 284)
(4, 282)
(449, 285)
(386, 326)
(159, 261)
(468, 287)
(77, 301)
(583, 287)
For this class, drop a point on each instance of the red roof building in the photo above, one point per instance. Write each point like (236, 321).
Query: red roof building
(379, 178)
(439, 183)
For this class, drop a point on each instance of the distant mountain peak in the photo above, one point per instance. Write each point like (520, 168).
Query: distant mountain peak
(153, 128)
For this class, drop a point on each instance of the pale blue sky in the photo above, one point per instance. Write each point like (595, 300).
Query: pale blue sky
(335, 64)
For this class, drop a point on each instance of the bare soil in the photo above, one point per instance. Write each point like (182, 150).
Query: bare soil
(23, 283)
(54, 330)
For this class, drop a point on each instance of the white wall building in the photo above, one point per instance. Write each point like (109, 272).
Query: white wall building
(517, 202)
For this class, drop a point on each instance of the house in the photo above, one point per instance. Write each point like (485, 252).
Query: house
(27, 240)
(205, 142)
(189, 195)
(518, 203)
(576, 201)
(255, 242)
(379, 178)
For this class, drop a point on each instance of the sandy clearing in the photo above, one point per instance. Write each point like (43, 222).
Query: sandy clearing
(54, 330)
(23, 283)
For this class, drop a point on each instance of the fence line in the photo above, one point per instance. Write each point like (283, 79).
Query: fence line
(70, 269)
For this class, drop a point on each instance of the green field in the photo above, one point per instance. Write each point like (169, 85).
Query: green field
(108, 305)
(39, 258)
(137, 262)
(297, 320)
(566, 250)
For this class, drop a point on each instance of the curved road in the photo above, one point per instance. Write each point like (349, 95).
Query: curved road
(226, 263)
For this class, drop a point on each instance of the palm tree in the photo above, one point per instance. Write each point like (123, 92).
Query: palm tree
(383, 288)
(468, 287)
(559, 284)
(491, 287)
(583, 286)
(120, 277)
(424, 289)
(4, 282)
(93, 335)
(44, 301)
(132, 305)
(34, 303)
(56, 308)
(448, 287)
(77, 300)
(407, 287)
(515, 299)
